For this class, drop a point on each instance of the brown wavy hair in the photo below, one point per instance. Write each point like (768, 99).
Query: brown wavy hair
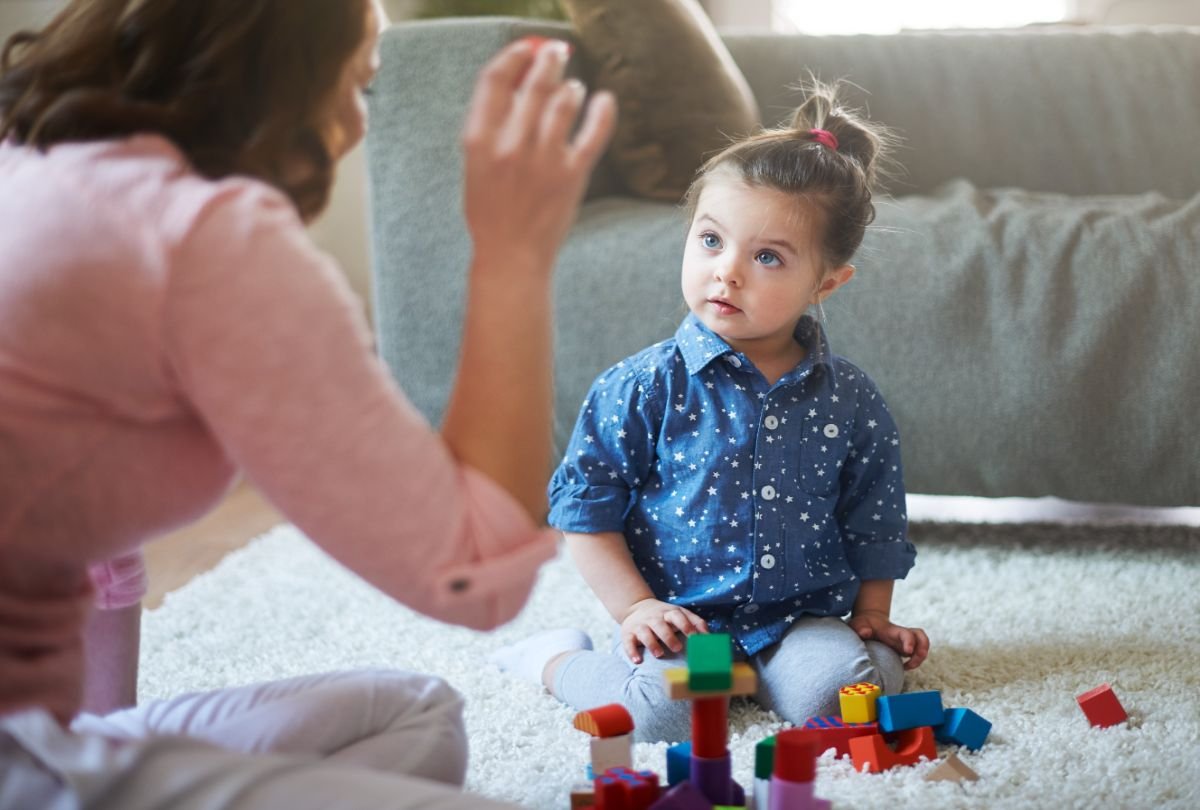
(240, 86)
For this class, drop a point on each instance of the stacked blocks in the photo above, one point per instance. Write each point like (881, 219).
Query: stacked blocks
(912, 717)
(625, 789)
(708, 681)
(857, 702)
(1102, 707)
(832, 732)
(795, 768)
(962, 727)
(611, 729)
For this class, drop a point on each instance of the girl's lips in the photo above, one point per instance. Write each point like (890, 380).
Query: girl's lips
(723, 307)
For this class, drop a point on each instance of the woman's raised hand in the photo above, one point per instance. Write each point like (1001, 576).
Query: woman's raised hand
(525, 173)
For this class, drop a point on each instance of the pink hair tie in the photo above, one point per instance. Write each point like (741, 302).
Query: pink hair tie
(824, 137)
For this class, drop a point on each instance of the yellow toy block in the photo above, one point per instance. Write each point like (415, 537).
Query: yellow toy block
(744, 683)
(858, 702)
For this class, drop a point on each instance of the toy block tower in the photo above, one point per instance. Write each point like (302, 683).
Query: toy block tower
(611, 729)
(709, 680)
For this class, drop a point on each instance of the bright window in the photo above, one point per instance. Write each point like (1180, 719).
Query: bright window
(890, 16)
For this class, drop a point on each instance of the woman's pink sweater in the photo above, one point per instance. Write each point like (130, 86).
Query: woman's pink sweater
(160, 331)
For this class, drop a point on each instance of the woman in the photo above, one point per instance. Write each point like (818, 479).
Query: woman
(165, 322)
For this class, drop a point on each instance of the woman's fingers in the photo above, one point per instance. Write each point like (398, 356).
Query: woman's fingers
(536, 90)
(561, 112)
(594, 133)
(495, 90)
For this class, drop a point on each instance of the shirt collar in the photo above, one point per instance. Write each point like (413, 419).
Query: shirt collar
(699, 345)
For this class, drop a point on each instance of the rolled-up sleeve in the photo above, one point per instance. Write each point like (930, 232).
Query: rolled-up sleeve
(120, 582)
(609, 454)
(872, 510)
(272, 349)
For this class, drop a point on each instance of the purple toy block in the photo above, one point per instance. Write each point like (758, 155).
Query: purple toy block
(963, 727)
(794, 796)
(713, 776)
(684, 796)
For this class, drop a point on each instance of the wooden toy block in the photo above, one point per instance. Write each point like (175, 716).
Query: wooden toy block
(679, 762)
(612, 720)
(858, 702)
(764, 758)
(626, 789)
(910, 710)
(962, 727)
(684, 796)
(872, 754)
(952, 769)
(710, 662)
(795, 756)
(710, 726)
(583, 796)
(745, 682)
(833, 732)
(1102, 707)
(611, 752)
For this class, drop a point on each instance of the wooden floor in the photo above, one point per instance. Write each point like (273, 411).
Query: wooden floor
(173, 560)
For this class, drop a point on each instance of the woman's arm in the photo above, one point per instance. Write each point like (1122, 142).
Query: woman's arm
(524, 180)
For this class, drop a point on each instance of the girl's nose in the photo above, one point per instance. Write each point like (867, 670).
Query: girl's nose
(728, 273)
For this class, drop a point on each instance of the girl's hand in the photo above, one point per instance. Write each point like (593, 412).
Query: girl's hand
(911, 642)
(525, 175)
(651, 624)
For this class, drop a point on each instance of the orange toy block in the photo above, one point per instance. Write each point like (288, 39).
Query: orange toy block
(872, 754)
(952, 769)
(583, 796)
(858, 702)
(612, 720)
(744, 683)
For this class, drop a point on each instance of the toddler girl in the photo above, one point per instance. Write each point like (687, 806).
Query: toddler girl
(740, 477)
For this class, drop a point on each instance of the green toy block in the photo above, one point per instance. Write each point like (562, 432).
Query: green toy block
(710, 662)
(764, 758)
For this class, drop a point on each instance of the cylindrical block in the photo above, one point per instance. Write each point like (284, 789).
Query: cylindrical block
(710, 726)
(795, 756)
(714, 777)
(790, 795)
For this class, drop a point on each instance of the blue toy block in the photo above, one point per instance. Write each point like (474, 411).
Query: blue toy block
(679, 763)
(684, 796)
(910, 710)
(963, 727)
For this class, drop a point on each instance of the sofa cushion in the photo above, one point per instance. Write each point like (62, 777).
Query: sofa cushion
(681, 96)
(1054, 337)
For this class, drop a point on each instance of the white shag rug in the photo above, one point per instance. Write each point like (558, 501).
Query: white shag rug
(1022, 619)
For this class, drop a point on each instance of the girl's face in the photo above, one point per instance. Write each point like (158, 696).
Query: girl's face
(752, 265)
(346, 123)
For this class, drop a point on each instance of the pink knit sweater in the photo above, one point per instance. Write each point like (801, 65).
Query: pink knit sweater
(159, 332)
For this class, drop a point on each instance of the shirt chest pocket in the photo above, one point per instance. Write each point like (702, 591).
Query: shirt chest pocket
(822, 454)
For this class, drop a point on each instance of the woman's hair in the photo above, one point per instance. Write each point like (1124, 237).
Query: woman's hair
(829, 156)
(240, 86)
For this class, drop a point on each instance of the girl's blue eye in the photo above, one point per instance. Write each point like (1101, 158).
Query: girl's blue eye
(767, 258)
(710, 241)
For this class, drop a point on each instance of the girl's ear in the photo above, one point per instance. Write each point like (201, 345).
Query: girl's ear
(833, 280)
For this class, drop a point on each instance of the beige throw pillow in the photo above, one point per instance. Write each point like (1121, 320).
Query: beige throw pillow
(681, 96)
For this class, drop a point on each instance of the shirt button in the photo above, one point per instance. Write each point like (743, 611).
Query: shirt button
(831, 431)
(768, 493)
(733, 361)
(767, 561)
(771, 422)
(751, 608)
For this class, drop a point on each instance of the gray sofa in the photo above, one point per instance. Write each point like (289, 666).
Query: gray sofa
(1028, 300)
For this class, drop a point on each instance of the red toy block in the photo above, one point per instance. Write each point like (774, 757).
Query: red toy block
(1102, 707)
(710, 727)
(832, 732)
(795, 756)
(625, 789)
(612, 720)
(872, 754)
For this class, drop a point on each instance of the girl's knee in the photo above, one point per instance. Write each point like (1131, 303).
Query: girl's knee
(656, 718)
